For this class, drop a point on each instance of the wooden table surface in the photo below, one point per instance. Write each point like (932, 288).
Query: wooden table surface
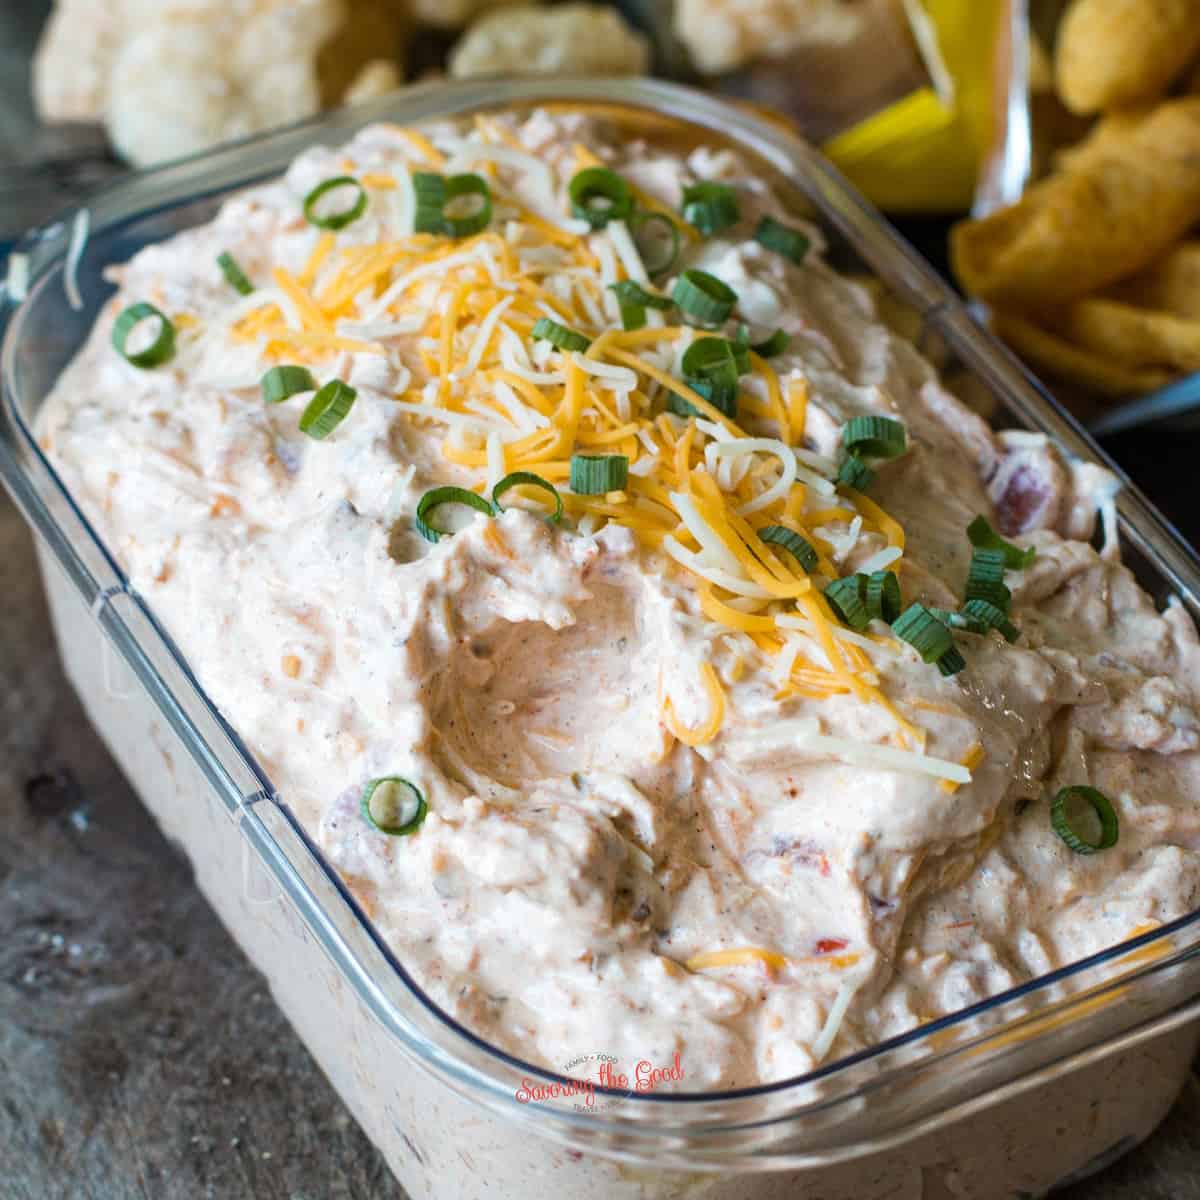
(141, 1056)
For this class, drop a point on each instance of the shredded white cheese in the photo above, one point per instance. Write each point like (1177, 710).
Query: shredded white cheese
(79, 237)
(17, 281)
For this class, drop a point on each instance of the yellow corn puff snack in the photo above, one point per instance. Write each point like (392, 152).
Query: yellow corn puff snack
(1170, 284)
(1060, 360)
(1132, 337)
(1078, 232)
(1112, 53)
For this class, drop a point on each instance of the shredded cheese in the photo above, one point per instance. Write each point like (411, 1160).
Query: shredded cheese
(700, 488)
(970, 760)
(79, 236)
(741, 956)
(700, 734)
(17, 281)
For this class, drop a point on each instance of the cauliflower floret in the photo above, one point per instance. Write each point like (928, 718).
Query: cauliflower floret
(574, 39)
(722, 35)
(75, 56)
(171, 77)
(376, 79)
(454, 14)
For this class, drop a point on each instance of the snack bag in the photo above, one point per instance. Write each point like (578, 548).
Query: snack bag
(925, 152)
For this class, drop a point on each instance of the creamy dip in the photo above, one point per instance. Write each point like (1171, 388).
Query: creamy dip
(675, 805)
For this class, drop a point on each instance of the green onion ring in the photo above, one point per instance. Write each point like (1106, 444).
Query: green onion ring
(161, 350)
(713, 358)
(985, 579)
(704, 297)
(777, 343)
(528, 479)
(710, 207)
(633, 293)
(438, 496)
(559, 336)
(234, 275)
(435, 193)
(327, 409)
(883, 596)
(281, 382)
(855, 474)
(782, 239)
(337, 220)
(601, 184)
(1060, 820)
(917, 626)
(667, 256)
(951, 662)
(382, 806)
(845, 597)
(872, 436)
(598, 474)
(633, 316)
(721, 394)
(791, 541)
(988, 616)
(983, 537)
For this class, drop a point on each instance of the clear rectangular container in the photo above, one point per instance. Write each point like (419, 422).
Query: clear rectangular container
(1007, 1099)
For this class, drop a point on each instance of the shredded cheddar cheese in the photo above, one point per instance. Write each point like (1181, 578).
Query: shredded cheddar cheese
(701, 489)
(700, 734)
(740, 957)
(971, 759)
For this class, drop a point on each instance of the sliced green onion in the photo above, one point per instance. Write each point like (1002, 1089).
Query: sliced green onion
(957, 620)
(281, 382)
(882, 596)
(440, 199)
(1066, 823)
(714, 358)
(711, 366)
(801, 550)
(855, 474)
(874, 437)
(599, 195)
(988, 616)
(845, 597)
(430, 192)
(984, 537)
(234, 275)
(438, 496)
(710, 207)
(703, 297)
(468, 188)
(634, 293)
(741, 349)
(985, 579)
(393, 805)
(782, 239)
(559, 335)
(161, 350)
(951, 662)
(721, 394)
(777, 343)
(917, 626)
(657, 239)
(634, 299)
(342, 218)
(527, 479)
(596, 474)
(633, 316)
(327, 409)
